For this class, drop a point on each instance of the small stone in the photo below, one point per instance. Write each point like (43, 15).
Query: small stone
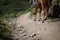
(33, 35)
(22, 26)
(25, 34)
(43, 29)
(19, 30)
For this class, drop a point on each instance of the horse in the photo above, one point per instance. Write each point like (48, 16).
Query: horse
(44, 6)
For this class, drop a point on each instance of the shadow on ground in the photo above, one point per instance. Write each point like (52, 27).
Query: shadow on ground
(56, 13)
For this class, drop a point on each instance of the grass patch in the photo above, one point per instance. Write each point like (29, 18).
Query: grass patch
(8, 11)
(6, 29)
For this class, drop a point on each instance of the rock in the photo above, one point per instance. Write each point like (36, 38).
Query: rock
(22, 26)
(33, 35)
(25, 34)
(19, 29)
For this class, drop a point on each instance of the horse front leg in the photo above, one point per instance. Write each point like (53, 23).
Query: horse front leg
(35, 14)
(40, 13)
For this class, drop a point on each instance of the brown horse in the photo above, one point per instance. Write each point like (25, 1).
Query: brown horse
(44, 6)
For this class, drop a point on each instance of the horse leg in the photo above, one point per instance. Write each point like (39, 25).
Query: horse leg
(40, 13)
(43, 15)
(35, 14)
(50, 7)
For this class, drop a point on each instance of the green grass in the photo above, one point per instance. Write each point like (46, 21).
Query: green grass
(14, 9)
(5, 29)
(8, 12)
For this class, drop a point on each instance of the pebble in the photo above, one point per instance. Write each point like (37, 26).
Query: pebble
(34, 35)
(22, 34)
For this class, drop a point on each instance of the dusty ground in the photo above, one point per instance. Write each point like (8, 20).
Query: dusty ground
(35, 30)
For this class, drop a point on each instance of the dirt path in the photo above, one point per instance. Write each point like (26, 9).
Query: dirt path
(50, 30)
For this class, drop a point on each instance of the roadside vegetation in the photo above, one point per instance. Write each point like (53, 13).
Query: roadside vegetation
(10, 9)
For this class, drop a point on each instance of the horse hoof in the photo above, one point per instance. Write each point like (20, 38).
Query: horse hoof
(45, 19)
(42, 21)
(34, 20)
(39, 20)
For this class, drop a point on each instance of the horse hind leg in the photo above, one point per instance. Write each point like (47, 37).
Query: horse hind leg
(43, 15)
